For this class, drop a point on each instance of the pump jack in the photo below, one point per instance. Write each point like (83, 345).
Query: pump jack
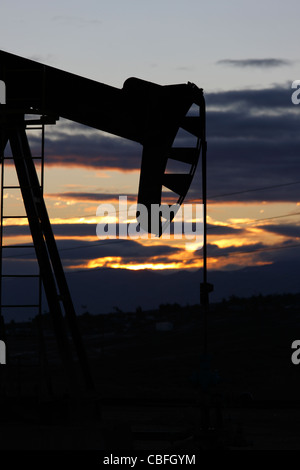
(141, 111)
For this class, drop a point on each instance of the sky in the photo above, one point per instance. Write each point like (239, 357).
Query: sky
(244, 56)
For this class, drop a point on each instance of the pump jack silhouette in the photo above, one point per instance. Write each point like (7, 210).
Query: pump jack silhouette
(141, 111)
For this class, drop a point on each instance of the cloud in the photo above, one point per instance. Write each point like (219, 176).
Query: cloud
(77, 147)
(288, 230)
(252, 99)
(223, 230)
(253, 142)
(214, 251)
(78, 252)
(71, 230)
(260, 63)
(128, 250)
(255, 253)
(112, 198)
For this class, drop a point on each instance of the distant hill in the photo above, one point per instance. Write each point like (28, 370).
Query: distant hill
(104, 290)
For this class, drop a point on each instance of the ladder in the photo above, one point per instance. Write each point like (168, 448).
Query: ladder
(6, 249)
(51, 274)
(11, 251)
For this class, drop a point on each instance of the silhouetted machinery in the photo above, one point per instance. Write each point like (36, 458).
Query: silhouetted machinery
(141, 111)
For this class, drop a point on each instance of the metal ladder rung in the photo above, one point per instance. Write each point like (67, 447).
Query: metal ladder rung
(32, 125)
(12, 158)
(20, 305)
(16, 187)
(14, 216)
(20, 275)
(51, 269)
(18, 246)
(11, 187)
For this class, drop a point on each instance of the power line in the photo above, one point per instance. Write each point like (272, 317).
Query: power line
(270, 248)
(212, 197)
(77, 247)
(297, 245)
(266, 218)
(263, 188)
(101, 243)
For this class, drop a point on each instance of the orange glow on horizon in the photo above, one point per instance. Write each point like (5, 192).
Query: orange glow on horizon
(116, 262)
(80, 164)
(232, 242)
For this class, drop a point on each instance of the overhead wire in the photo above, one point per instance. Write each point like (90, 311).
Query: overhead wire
(252, 222)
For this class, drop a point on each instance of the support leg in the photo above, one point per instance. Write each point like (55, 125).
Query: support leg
(29, 187)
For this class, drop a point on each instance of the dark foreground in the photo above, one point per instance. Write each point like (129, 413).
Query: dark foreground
(149, 386)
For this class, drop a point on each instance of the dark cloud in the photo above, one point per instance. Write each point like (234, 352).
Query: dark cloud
(257, 170)
(91, 197)
(111, 198)
(289, 250)
(214, 251)
(128, 250)
(253, 99)
(253, 147)
(259, 253)
(288, 230)
(75, 252)
(245, 127)
(76, 145)
(260, 63)
(223, 230)
(58, 229)
(78, 251)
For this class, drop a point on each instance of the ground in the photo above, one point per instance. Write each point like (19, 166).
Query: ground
(147, 394)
